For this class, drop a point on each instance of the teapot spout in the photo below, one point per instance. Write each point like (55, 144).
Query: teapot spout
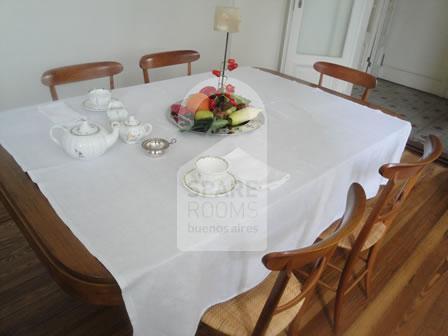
(112, 137)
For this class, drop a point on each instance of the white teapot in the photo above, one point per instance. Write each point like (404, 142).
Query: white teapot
(133, 130)
(85, 140)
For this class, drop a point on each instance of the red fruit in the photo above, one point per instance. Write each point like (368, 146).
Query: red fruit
(209, 90)
(231, 61)
(175, 108)
(230, 89)
(217, 73)
(183, 110)
(232, 66)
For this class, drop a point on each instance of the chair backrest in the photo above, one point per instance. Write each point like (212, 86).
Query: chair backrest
(80, 72)
(316, 255)
(167, 58)
(402, 178)
(347, 74)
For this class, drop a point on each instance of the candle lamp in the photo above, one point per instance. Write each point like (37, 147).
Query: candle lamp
(227, 19)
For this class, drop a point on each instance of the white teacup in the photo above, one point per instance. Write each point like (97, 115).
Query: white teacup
(211, 169)
(100, 97)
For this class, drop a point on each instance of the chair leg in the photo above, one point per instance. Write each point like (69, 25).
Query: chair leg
(293, 329)
(370, 268)
(338, 303)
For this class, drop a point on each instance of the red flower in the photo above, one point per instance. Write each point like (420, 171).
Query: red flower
(212, 104)
(231, 61)
(230, 89)
(232, 66)
(217, 73)
(209, 90)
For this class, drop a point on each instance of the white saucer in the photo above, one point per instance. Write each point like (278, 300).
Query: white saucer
(89, 106)
(198, 187)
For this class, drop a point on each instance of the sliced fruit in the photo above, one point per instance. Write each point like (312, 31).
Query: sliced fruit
(202, 125)
(241, 100)
(218, 123)
(175, 108)
(231, 110)
(197, 101)
(183, 110)
(203, 114)
(241, 116)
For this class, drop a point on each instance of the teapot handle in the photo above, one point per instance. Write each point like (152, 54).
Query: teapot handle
(148, 128)
(53, 137)
(115, 124)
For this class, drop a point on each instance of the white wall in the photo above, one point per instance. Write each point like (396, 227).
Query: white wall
(38, 35)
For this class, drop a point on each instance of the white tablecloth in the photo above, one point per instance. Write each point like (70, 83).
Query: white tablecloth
(122, 205)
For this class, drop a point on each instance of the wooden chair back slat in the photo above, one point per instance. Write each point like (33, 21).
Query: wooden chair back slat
(316, 255)
(367, 81)
(402, 179)
(292, 260)
(167, 58)
(80, 72)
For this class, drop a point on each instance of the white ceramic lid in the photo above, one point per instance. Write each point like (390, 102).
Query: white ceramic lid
(85, 128)
(132, 121)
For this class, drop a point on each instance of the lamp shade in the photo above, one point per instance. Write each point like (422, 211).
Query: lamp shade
(227, 19)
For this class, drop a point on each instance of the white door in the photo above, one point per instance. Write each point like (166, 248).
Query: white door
(415, 53)
(324, 30)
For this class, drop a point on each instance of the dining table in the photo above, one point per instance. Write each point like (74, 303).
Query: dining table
(107, 229)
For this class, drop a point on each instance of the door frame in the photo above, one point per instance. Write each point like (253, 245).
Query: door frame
(376, 25)
(382, 31)
(287, 34)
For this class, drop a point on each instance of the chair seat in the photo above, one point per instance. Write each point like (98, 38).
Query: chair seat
(377, 232)
(238, 316)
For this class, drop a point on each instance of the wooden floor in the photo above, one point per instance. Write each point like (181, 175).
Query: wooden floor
(410, 295)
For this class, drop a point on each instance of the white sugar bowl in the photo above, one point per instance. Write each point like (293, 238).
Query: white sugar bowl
(132, 130)
(116, 111)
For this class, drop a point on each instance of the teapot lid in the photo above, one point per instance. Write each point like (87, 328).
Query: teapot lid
(85, 128)
(132, 121)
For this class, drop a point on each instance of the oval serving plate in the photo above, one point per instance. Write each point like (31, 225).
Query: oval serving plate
(249, 126)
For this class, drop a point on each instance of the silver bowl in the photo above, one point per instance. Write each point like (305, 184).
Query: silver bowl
(156, 147)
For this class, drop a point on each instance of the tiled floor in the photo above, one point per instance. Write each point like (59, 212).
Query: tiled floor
(427, 113)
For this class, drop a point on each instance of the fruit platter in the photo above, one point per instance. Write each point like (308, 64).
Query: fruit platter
(217, 110)
(214, 111)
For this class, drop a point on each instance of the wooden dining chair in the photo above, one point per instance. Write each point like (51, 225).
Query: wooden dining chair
(78, 73)
(275, 303)
(167, 58)
(363, 245)
(367, 81)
